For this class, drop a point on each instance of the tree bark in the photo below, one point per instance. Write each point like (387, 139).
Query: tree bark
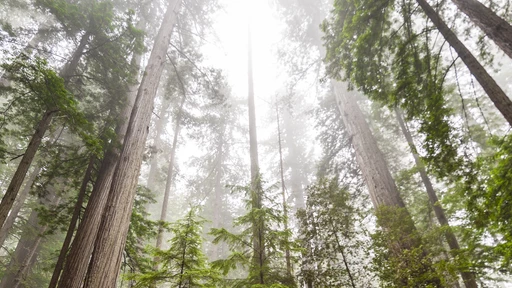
(116, 219)
(74, 219)
(380, 183)
(256, 189)
(468, 277)
(495, 93)
(170, 173)
(495, 27)
(77, 261)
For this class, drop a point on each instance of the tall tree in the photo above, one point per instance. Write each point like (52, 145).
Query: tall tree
(258, 240)
(381, 186)
(114, 227)
(453, 243)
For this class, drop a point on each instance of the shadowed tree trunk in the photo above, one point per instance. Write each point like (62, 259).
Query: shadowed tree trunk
(110, 242)
(468, 277)
(74, 219)
(77, 260)
(495, 93)
(495, 27)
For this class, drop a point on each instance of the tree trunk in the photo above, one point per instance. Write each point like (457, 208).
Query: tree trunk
(170, 171)
(343, 257)
(495, 93)
(21, 171)
(157, 145)
(381, 185)
(283, 192)
(77, 261)
(74, 219)
(16, 208)
(495, 27)
(256, 189)
(28, 247)
(294, 153)
(116, 218)
(468, 277)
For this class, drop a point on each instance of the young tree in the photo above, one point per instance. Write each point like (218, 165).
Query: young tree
(183, 264)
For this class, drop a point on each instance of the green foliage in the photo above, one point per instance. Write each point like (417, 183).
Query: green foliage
(269, 218)
(394, 65)
(183, 264)
(486, 196)
(402, 257)
(334, 248)
(37, 89)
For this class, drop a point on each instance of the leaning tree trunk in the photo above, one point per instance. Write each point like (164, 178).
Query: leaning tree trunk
(26, 161)
(494, 27)
(381, 185)
(35, 141)
(170, 173)
(258, 244)
(116, 218)
(77, 261)
(495, 93)
(468, 277)
(16, 208)
(74, 219)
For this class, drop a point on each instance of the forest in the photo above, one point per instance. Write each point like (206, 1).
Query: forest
(255, 143)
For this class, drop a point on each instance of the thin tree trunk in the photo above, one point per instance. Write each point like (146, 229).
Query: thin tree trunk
(256, 189)
(283, 192)
(343, 257)
(157, 144)
(116, 219)
(468, 277)
(495, 93)
(21, 171)
(495, 27)
(71, 229)
(16, 208)
(170, 172)
(295, 177)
